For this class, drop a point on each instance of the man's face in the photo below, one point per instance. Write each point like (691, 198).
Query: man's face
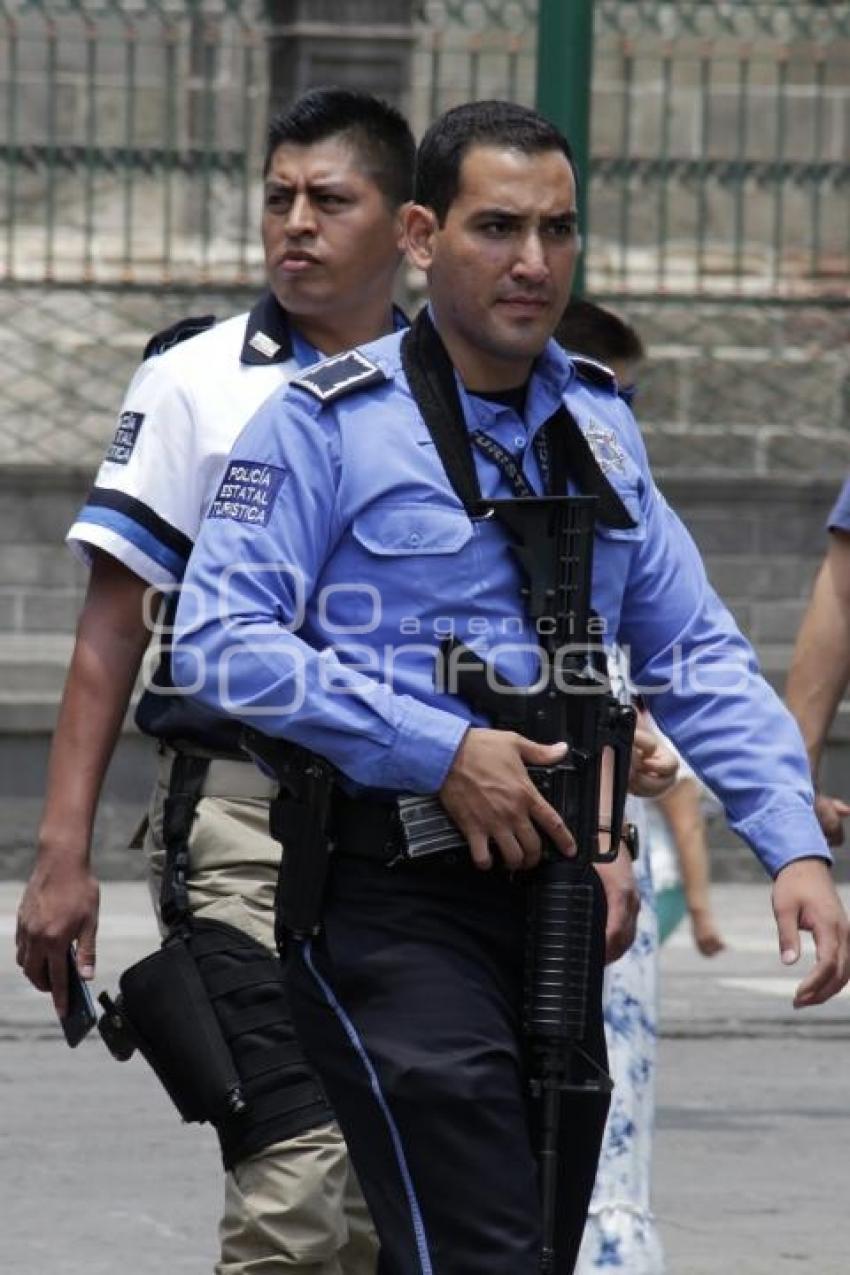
(331, 242)
(501, 266)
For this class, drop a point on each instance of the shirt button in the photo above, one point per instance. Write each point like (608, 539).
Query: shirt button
(519, 441)
(414, 538)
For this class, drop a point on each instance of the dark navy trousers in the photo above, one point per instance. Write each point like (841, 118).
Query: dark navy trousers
(408, 1005)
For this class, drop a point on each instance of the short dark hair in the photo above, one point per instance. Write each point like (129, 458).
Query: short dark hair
(588, 328)
(489, 123)
(378, 132)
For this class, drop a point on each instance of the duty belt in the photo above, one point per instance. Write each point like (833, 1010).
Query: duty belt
(365, 828)
(227, 777)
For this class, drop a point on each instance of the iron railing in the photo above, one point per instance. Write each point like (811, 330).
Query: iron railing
(132, 137)
(720, 148)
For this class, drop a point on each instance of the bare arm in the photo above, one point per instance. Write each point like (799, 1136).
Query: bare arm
(681, 808)
(60, 902)
(820, 668)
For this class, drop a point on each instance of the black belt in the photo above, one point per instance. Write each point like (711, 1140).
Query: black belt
(365, 828)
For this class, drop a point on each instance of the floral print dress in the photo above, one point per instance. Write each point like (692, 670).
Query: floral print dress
(621, 1234)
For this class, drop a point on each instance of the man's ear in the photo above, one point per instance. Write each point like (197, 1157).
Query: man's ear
(399, 225)
(420, 230)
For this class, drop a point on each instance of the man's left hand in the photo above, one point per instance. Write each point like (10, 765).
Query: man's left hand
(621, 893)
(805, 898)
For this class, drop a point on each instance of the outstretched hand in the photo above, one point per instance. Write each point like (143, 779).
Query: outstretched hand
(805, 898)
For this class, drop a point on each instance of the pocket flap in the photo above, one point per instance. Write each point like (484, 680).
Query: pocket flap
(412, 529)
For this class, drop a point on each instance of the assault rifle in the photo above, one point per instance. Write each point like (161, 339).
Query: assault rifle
(571, 701)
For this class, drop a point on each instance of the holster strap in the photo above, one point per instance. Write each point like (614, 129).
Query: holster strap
(227, 778)
(185, 785)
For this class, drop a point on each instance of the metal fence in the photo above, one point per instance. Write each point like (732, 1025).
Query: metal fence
(130, 148)
(131, 138)
(720, 134)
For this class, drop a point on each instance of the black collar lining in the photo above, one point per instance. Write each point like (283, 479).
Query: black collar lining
(269, 319)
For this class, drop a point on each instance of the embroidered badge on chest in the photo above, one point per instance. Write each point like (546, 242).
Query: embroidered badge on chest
(121, 448)
(248, 492)
(606, 448)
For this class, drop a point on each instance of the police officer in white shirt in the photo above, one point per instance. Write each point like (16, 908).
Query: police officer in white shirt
(338, 171)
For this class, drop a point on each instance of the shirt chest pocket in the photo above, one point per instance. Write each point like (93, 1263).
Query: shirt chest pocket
(421, 555)
(412, 531)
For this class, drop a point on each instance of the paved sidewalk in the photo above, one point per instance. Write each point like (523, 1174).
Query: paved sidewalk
(98, 1175)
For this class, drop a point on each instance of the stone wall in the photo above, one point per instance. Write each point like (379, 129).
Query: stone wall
(745, 415)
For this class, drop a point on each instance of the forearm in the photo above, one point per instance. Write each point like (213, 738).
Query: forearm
(92, 711)
(681, 809)
(111, 640)
(253, 670)
(820, 667)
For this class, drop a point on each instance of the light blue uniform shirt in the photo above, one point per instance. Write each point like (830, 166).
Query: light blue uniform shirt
(337, 556)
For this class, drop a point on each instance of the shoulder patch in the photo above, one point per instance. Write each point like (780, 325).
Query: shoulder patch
(248, 492)
(182, 330)
(597, 373)
(340, 375)
(126, 433)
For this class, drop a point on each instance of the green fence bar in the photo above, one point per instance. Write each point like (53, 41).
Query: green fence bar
(90, 142)
(817, 159)
(12, 98)
(626, 117)
(50, 152)
(739, 185)
(170, 37)
(130, 54)
(663, 202)
(564, 73)
(779, 164)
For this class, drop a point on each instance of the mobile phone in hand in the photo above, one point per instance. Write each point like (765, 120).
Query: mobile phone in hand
(81, 1016)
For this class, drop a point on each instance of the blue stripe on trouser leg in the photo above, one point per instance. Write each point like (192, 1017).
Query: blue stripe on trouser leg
(429, 967)
(375, 1085)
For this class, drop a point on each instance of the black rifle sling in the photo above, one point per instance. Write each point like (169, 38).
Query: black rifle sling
(567, 452)
(572, 454)
(431, 378)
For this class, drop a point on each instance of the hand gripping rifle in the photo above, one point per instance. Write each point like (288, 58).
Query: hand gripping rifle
(553, 542)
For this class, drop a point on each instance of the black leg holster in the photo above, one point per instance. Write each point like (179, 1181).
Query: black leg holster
(210, 1013)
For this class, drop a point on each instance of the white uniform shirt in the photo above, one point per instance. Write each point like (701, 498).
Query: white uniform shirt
(182, 414)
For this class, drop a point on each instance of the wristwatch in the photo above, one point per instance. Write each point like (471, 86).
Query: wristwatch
(631, 840)
(629, 837)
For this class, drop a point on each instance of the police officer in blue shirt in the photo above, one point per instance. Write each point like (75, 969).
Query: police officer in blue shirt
(336, 557)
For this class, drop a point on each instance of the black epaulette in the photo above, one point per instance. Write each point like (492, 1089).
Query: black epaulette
(597, 373)
(179, 331)
(340, 375)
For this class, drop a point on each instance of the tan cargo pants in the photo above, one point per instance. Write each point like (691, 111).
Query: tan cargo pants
(294, 1208)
